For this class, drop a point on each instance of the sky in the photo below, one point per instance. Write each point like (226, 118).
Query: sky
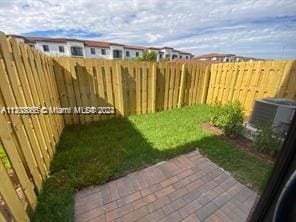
(263, 28)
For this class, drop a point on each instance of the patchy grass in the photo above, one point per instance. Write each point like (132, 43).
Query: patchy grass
(95, 153)
(4, 158)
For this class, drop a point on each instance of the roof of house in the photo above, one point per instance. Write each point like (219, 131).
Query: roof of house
(114, 43)
(96, 44)
(134, 47)
(34, 39)
(154, 48)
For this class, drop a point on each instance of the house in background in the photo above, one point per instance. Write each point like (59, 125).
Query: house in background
(223, 58)
(169, 53)
(133, 51)
(97, 49)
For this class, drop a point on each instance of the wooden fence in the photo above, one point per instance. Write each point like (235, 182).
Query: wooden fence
(131, 87)
(26, 79)
(32, 79)
(247, 81)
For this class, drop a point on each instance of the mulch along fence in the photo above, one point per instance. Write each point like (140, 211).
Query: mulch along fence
(31, 79)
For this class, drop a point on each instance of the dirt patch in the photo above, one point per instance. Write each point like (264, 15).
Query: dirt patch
(239, 141)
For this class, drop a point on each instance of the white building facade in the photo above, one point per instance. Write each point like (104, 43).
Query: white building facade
(98, 49)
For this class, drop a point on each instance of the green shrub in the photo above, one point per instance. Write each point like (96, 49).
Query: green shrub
(228, 117)
(265, 140)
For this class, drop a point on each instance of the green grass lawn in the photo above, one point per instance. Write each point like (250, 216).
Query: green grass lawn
(95, 153)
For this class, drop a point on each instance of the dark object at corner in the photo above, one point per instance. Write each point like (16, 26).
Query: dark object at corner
(278, 200)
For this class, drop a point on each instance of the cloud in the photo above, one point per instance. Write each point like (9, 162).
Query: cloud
(256, 28)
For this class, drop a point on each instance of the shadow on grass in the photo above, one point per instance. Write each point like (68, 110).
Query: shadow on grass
(94, 154)
(99, 152)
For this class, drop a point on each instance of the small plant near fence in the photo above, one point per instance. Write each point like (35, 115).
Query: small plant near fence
(228, 117)
(265, 140)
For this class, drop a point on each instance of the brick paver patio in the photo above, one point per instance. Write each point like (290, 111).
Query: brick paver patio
(187, 188)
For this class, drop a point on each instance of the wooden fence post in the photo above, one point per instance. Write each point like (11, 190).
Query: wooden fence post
(120, 89)
(280, 91)
(153, 92)
(182, 87)
(205, 87)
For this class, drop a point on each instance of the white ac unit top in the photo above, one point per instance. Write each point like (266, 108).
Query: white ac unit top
(277, 111)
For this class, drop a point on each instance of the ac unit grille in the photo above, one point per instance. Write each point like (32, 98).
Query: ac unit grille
(262, 113)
